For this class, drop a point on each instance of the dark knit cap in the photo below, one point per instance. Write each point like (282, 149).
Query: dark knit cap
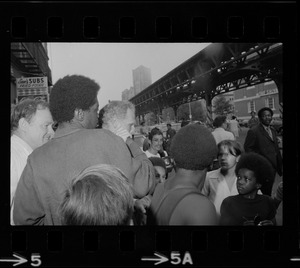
(193, 147)
(157, 161)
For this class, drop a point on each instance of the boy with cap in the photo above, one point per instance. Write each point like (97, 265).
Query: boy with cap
(178, 200)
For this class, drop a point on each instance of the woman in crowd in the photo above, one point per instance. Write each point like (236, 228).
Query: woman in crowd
(221, 183)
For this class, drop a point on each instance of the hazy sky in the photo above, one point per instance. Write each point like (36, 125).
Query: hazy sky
(111, 64)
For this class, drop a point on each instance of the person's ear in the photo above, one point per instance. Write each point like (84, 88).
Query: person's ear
(79, 114)
(238, 158)
(23, 124)
(115, 123)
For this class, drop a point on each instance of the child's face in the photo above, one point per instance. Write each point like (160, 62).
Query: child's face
(160, 174)
(246, 182)
(226, 159)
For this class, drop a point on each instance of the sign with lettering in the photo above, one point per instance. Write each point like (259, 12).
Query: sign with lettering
(268, 91)
(32, 82)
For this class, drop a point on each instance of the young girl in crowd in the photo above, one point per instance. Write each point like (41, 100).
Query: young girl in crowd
(249, 208)
(141, 205)
(221, 183)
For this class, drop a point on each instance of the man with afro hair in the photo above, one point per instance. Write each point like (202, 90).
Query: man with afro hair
(248, 207)
(178, 200)
(76, 145)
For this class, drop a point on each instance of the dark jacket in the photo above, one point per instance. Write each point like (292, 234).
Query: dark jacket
(259, 141)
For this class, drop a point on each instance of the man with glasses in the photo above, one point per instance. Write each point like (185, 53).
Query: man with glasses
(262, 139)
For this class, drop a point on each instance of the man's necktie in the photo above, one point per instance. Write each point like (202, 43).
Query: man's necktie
(269, 132)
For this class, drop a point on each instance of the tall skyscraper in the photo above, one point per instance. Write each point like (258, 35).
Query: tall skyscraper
(141, 78)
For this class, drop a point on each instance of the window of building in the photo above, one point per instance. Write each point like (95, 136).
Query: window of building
(251, 106)
(270, 102)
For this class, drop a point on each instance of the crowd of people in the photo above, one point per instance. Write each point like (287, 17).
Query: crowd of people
(72, 164)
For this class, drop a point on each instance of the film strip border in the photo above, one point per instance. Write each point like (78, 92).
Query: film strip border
(113, 247)
(148, 22)
(191, 21)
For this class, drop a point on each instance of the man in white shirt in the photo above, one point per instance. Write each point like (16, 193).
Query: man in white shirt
(220, 134)
(31, 127)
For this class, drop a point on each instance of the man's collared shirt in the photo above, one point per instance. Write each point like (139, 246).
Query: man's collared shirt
(19, 152)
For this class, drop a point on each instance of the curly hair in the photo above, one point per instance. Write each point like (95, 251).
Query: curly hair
(258, 164)
(25, 109)
(193, 147)
(71, 93)
(153, 132)
(260, 112)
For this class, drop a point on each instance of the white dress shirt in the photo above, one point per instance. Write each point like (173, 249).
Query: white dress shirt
(19, 152)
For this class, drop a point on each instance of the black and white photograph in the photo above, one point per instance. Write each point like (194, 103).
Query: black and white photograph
(142, 134)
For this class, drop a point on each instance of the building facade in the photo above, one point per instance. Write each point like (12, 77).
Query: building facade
(127, 94)
(256, 97)
(29, 60)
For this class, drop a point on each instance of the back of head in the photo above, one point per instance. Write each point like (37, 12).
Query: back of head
(25, 109)
(100, 195)
(219, 121)
(193, 147)
(116, 110)
(258, 164)
(71, 93)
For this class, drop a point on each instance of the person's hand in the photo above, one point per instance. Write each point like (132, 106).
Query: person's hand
(141, 205)
(266, 223)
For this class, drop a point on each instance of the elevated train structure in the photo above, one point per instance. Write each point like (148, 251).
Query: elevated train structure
(217, 69)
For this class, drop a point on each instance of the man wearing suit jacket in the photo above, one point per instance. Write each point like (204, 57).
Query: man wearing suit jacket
(262, 139)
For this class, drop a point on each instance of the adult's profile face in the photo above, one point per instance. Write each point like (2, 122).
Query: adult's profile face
(129, 121)
(91, 119)
(266, 118)
(40, 128)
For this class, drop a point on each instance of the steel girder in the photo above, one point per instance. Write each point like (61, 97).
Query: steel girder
(217, 69)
